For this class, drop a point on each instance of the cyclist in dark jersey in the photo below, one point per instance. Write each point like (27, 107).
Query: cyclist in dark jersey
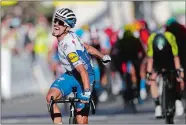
(128, 49)
(162, 53)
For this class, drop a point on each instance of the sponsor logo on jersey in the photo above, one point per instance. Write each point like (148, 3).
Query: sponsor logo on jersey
(73, 57)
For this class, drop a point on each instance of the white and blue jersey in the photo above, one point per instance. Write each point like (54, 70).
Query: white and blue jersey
(71, 54)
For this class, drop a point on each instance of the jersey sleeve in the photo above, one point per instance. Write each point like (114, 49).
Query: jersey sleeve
(150, 45)
(172, 41)
(70, 52)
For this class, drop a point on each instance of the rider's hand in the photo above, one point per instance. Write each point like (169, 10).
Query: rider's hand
(85, 97)
(106, 59)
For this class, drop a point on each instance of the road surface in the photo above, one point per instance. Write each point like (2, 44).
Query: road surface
(32, 109)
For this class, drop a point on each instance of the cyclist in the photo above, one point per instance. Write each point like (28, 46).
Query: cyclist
(75, 58)
(129, 62)
(144, 33)
(162, 53)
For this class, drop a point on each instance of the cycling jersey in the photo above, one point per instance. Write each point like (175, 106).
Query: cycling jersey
(171, 39)
(165, 57)
(73, 53)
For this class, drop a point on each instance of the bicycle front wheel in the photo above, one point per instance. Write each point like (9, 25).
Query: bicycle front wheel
(72, 120)
(170, 92)
(169, 120)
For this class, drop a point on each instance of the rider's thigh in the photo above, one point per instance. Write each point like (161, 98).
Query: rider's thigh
(64, 84)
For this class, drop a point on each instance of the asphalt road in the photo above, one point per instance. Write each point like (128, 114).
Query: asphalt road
(32, 109)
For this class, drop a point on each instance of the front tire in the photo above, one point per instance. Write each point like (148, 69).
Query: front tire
(169, 120)
(72, 120)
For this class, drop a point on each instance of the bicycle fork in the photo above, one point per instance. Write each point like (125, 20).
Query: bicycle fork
(72, 110)
(72, 119)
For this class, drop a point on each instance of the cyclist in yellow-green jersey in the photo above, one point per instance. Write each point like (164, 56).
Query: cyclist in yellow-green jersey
(162, 53)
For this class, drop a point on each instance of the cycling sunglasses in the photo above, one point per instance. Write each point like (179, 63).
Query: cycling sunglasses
(59, 22)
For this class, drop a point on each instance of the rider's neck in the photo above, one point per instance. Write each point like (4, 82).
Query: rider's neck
(62, 36)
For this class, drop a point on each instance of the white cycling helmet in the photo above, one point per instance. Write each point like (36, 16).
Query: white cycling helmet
(67, 16)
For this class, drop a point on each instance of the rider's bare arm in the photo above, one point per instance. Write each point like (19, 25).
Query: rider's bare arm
(177, 64)
(149, 64)
(84, 76)
(93, 51)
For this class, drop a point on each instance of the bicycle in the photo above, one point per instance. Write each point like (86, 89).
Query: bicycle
(168, 97)
(72, 101)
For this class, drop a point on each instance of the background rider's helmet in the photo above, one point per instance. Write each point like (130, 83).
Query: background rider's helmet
(143, 24)
(160, 42)
(67, 16)
(170, 21)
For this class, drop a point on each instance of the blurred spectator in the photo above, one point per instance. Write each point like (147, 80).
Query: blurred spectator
(54, 61)
(41, 41)
(7, 32)
(85, 34)
(129, 61)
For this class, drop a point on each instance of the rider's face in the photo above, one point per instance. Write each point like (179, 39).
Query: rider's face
(58, 27)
